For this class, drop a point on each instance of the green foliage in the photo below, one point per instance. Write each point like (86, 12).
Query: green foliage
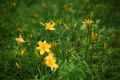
(78, 58)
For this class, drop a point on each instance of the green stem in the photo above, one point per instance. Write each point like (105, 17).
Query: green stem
(86, 54)
(91, 56)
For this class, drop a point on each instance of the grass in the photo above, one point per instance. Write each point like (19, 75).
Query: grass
(77, 56)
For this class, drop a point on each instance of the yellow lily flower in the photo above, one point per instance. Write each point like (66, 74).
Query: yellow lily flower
(20, 40)
(50, 26)
(50, 53)
(43, 46)
(50, 62)
(88, 23)
(20, 54)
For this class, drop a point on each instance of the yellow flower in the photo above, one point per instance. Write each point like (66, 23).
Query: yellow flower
(36, 53)
(20, 40)
(50, 26)
(42, 23)
(43, 46)
(52, 22)
(50, 62)
(18, 65)
(53, 44)
(66, 27)
(50, 53)
(20, 54)
(87, 23)
(23, 52)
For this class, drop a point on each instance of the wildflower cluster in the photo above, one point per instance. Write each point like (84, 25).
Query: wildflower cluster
(50, 59)
(50, 25)
(43, 47)
(43, 50)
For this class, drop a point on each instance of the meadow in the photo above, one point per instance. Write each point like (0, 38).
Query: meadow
(59, 40)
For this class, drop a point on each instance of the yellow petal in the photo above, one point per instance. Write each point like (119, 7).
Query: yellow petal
(48, 45)
(44, 42)
(66, 27)
(53, 22)
(42, 52)
(50, 54)
(51, 68)
(39, 43)
(38, 48)
(53, 45)
(52, 29)
(47, 50)
(56, 66)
